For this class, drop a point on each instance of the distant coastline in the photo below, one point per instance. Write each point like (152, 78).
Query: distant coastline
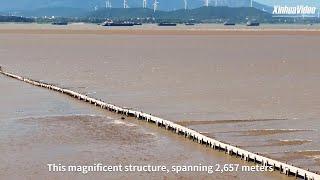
(201, 30)
(209, 14)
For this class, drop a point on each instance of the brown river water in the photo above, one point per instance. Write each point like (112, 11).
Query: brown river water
(259, 92)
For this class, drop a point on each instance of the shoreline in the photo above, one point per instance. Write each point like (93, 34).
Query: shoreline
(146, 31)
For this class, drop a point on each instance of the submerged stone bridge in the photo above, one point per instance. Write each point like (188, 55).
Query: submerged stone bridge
(193, 135)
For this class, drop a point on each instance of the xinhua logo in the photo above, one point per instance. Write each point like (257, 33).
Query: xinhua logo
(294, 11)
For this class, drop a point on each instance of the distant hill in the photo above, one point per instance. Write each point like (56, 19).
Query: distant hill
(14, 19)
(165, 5)
(54, 11)
(121, 13)
(208, 13)
(202, 13)
(263, 7)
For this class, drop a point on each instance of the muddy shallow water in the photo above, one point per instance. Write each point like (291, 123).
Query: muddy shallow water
(38, 127)
(268, 81)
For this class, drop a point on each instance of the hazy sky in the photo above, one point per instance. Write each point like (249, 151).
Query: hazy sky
(291, 2)
(164, 4)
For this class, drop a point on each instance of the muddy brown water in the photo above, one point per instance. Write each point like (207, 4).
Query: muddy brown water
(269, 81)
(38, 127)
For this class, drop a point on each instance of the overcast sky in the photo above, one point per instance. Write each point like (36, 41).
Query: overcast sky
(291, 2)
(164, 4)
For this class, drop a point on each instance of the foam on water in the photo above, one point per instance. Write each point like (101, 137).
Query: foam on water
(119, 122)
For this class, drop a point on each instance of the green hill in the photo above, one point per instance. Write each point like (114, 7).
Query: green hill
(121, 13)
(14, 19)
(199, 14)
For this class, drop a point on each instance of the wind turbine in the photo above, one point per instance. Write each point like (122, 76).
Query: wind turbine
(108, 4)
(125, 4)
(144, 4)
(251, 3)
(206, 3)
(155, 5)
(185, 4)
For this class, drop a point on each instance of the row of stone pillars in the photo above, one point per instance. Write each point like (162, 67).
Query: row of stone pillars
(160, 124)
